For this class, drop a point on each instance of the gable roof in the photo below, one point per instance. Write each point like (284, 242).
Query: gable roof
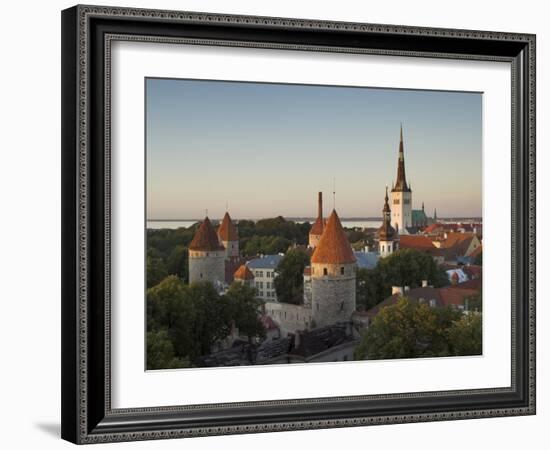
(244, 273)
(227, 230)
(205, 238)
(333, 247)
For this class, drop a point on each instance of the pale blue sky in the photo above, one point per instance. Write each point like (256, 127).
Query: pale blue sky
(266, 149)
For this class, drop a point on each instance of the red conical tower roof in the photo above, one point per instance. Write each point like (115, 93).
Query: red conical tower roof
(227, 230)
(334, 247)
(243, 273)
(205, 238)
(317, 228)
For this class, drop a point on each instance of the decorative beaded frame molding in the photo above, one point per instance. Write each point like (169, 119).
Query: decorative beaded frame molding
(86, 377)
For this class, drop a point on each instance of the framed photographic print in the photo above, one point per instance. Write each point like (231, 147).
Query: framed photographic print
(281, 224)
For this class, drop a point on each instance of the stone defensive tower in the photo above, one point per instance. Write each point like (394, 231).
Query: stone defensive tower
(206, 256)
(401, 194)
(229, 238)
(317, 228)
(333, 272)
(387, 236)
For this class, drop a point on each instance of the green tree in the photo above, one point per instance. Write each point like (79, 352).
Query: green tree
(156, 271)
(289, 282)
(194, 317)
(160, 352)
(367, 289)
(267, 245)
(244, 309)
(474, 303)
(407, 329)
(465, 335)
(177, 262)
(407, 267)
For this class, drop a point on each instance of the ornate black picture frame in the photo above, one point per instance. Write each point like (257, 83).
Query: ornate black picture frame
(87, 33)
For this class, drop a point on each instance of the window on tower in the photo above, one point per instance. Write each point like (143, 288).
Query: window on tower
(396, 201)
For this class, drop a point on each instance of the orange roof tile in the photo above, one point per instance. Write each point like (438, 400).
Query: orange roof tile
(244, 273)
(415, 241)
(317, 227)
(454, 239)
(456, 296)
(333, 247)
(227, 230)
(433, 227)
(205, 238)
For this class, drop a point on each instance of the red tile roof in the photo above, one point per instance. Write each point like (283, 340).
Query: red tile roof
(454, 239)
(205, 238)
(227, 230)
(415, 241)
(333, 247)
(432, 228)
(317, 227)
(244, 273)
(470, 284)
(456, 295)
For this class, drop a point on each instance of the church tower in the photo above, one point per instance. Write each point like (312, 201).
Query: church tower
(401, 194)
(317, 228)
(206, 256)
(333, 267)
(387, 236)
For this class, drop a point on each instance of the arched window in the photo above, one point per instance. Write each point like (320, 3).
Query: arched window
(325, 271)
(341, 270)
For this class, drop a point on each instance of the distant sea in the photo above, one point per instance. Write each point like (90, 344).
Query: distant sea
(347, 223)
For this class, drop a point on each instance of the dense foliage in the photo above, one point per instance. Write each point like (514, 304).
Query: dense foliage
(405, 267)
(289, 283)
(409, 329)
(185, 321)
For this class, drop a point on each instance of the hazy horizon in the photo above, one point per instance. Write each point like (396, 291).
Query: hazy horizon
(264, 150)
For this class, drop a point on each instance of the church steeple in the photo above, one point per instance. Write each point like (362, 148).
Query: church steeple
(386, 232)
(387, 235)
(401, 181)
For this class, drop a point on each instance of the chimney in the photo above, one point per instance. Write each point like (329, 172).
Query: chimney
(424, 283)
(396, 290)
(320, 205)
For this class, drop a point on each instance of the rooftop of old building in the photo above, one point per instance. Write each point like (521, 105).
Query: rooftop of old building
(333, 247)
